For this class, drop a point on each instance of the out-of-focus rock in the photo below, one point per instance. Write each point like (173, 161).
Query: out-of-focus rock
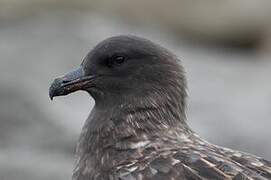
(234, 22)
(265, 44)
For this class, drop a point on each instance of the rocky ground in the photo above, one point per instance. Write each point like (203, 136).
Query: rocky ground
(230, 90)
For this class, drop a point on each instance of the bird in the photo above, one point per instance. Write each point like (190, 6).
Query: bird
(137, 129)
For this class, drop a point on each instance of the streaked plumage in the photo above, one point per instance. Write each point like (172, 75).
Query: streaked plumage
(137, 129)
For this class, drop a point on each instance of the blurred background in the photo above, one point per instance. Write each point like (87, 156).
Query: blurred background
(224, 45)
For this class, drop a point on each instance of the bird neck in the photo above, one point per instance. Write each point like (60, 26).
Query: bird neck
(149, 116)
(129, 127)
(151, 111)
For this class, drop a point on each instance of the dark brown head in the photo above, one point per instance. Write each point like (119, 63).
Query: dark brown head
(125, 69)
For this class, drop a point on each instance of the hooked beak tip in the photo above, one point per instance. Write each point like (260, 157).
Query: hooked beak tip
(51, 97)
(52, 91)
(55, 88)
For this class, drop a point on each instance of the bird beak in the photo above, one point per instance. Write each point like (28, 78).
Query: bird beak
(71, 82)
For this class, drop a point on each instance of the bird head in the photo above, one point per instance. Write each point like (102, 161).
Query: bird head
(125, 67)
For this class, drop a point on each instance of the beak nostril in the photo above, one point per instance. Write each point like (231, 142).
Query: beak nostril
(65, 81)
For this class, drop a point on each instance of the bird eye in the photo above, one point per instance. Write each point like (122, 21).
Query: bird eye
(115, 60)
(118, 60)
